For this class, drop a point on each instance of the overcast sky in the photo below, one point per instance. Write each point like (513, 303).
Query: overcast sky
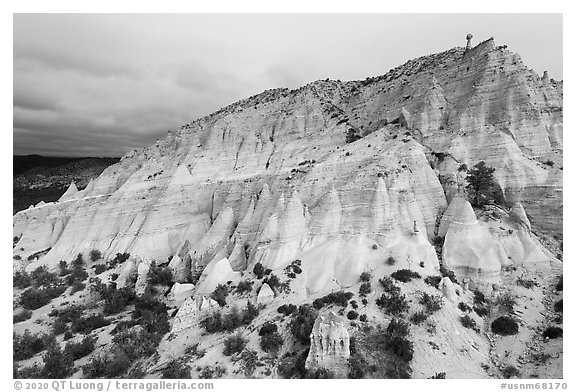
(101, 85)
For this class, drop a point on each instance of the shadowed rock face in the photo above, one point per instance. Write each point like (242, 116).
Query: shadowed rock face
(271, 178)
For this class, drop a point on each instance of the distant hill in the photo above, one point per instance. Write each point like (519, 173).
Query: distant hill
(37, 178)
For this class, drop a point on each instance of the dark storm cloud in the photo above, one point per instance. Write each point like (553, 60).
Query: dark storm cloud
(102, 84)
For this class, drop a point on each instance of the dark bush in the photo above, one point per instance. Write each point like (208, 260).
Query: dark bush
(273, 282)
(319, 373)
(292, 365)
(419, 317)
(95, 255)
(504, 326)
(244, 286)
(365, 289)
(302, 323)
(219, 294)
(339, 298)
(481, 310)
(30, 372)
(21, 316)
(68, 335)
(549, 163)
(152, 315)
(527, 283)
(99, 268)
(77, 286)
(405, 275)
(85, 325)
(159, 275)
(352, 315)
(389, 286)
(80, 349)
(479, 297)
(469, 322)
(213, 322)
(115, 300)
(394, 303)
(438, 376)
(397, 342)
(553, 333)
(234, 344)
(390, 260)
(287, 310)
(507, 301)
(258, 270)
(42, 277)
(510, 371)
(363, 318)
(34, 298)
(432, 303)
(232, 320)
(271, 342)
(57, 363)
(21, 280)
(365, 276)
(560, 284)
(433, 281)
(464, 307)
(27, 345)
(63, 268)
(268, 328)
(445, 272)
(559, 306)
(176, 369)
(119, 259)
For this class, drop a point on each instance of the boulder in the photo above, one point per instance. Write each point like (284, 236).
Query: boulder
(265, 295)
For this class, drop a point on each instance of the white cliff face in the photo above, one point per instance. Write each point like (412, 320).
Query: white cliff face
(271, 179)
(329, 345)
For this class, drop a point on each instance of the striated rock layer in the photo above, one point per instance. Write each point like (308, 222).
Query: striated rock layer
(272, 179)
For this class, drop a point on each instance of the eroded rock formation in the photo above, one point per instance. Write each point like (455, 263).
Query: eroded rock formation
(329, 345)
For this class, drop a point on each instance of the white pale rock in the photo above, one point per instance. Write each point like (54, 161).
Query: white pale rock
(329, 345)
(181, 291)
(70, 192)
(447, 288)
(265, 295)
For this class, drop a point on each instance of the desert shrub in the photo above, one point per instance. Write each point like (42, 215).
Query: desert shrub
(432, 303)
(388, 284)
(397, 342)
(258, 270)
(481, 310)
(57, 363)
(232, 319)
(209, 372)
(159, 275)
(119, 259)
(244, 286)
(68, 335)
(78, 272)
(219, 294)
(115, 300)
(469, 322)
(339, 298)
(268, 328)
(30, 372)
(176, 369)
(393, 303)
(405, 275)
(59, 327)
(433, 281)
(195, 351)
(63, 268)
(273, 282)
(42, 277)
(292, 365)
(560, 284)
(249, 313)
(510, 371)
(390, 260)
(507, 301)
(77, 286)
(135, 343)
(99, 268)
(446, 273)
(504, 326)
(21, 316)
(464, 307)
(363, 318)
(271, 342)
(549, 163)
(27, 345)
(365, 289)
(354, 304)
(479, 297)
(21, 280)
(438, 376)
(96, 367)
(293, 269)
(559, 306)
(302, 322)
(82, 348)
(95, 255)
(213, 322)
(85, 325)
(365, 276)
(152, 315)
(114, 276)
(352, 135)
(34, 298)
(352, 315)
(419, 317)
(553, 332)
(234, 344)
(357, 365)
(287, 310)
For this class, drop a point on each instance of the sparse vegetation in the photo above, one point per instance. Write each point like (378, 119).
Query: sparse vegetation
(464, 307)
(393, 303)
(469, 322)
(287, 310)
(390, 260)
(419, 317)
(176, 369)
(21, 316)
(352, 315)
(27, 345)
(21, 280)
(302, 323)
(388, 284)
(510, 371)
(553, 332)
(506, 301)
(85, 325)
(219, 294)
(95, 255)
(244, 286)
(80, 349)
(258, 270)
(365, 289)
(34, 298)
(99, 268)
(559, 306)
(339, 298)
(365, 276)
(527, 283)
(482, 187)
(432, 303)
